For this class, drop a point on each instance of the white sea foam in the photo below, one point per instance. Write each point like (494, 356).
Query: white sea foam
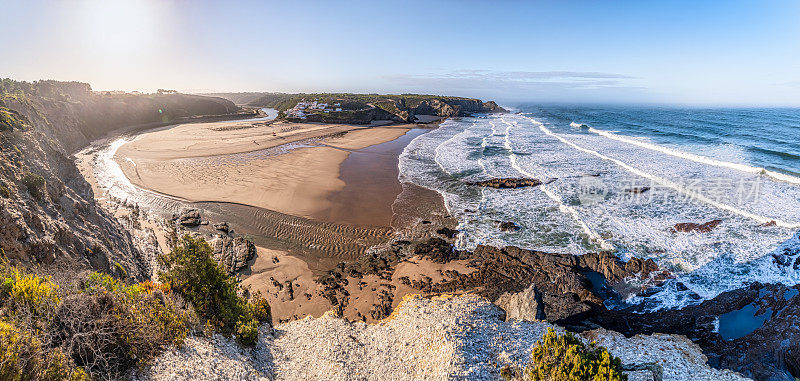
(555, 219)
(546, 189)
(697, 158)
(671, 184)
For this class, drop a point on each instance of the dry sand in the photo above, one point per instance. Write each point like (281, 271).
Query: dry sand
(242, 162)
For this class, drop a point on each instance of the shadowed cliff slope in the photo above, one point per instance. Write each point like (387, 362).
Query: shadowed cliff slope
(48, 215)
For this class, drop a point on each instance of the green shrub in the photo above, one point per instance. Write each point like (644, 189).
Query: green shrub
(103, 326)
(35, 185)
(5, 192)
(565, 357)
(247, 332)
(192, 273)
(33, 292)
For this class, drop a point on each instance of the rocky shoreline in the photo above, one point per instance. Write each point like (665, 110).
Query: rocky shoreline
(462, 337)
(573, 292)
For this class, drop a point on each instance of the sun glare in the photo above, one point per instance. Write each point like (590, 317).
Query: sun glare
(119, 27)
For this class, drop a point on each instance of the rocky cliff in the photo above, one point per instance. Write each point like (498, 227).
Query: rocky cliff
(364, 108)
(48, 215)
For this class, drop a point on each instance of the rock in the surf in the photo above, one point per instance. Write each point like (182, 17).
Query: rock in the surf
(688, 227)
(638, 190)
(504, 183)
(507, 226)
(760, 322)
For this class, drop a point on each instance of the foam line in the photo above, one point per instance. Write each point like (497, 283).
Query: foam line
(697, 158)
(561, 206)
(677, 187)
(436, 150)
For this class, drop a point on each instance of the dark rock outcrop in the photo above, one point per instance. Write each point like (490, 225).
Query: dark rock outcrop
(768, 351)
(687, 227)
(437, 250)
(232, 253)
(562, 281)
(447, 232)
(503, 183)
(507, 226)
(190, 218)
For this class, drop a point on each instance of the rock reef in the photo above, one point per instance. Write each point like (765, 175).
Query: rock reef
(505, 183)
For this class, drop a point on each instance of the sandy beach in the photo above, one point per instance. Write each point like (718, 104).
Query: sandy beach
(285, 167)
(310, 196)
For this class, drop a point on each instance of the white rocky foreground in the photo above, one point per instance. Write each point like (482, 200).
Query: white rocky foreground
(435, 339)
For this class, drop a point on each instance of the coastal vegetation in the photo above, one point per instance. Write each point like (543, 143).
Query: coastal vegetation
(194, 275)
(102, 326)
(35, 184)
(566, 358)
(352, 108)
(349, 101)
(10, 120)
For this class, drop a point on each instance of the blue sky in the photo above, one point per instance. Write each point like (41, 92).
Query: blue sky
(685, 52)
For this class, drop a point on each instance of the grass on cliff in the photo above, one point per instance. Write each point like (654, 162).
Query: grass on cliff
(101, 327)
(566, 358)
(10, 120)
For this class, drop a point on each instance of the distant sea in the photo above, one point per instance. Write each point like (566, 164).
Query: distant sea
(619, 178)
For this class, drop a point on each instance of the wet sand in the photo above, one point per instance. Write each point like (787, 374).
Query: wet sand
(370, 184)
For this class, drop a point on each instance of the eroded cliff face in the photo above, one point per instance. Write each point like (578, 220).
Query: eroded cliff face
(48, 214)
(443, 107)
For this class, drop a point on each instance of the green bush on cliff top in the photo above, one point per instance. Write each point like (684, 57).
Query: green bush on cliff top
(196, 276)
(566, 358)
(99, 325)
(103, 327)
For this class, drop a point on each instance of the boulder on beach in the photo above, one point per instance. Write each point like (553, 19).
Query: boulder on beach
(232, 253)
(223, 227)
(526, 305)
(190, 217)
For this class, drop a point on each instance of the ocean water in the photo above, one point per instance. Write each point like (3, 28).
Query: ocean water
(619, 178)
